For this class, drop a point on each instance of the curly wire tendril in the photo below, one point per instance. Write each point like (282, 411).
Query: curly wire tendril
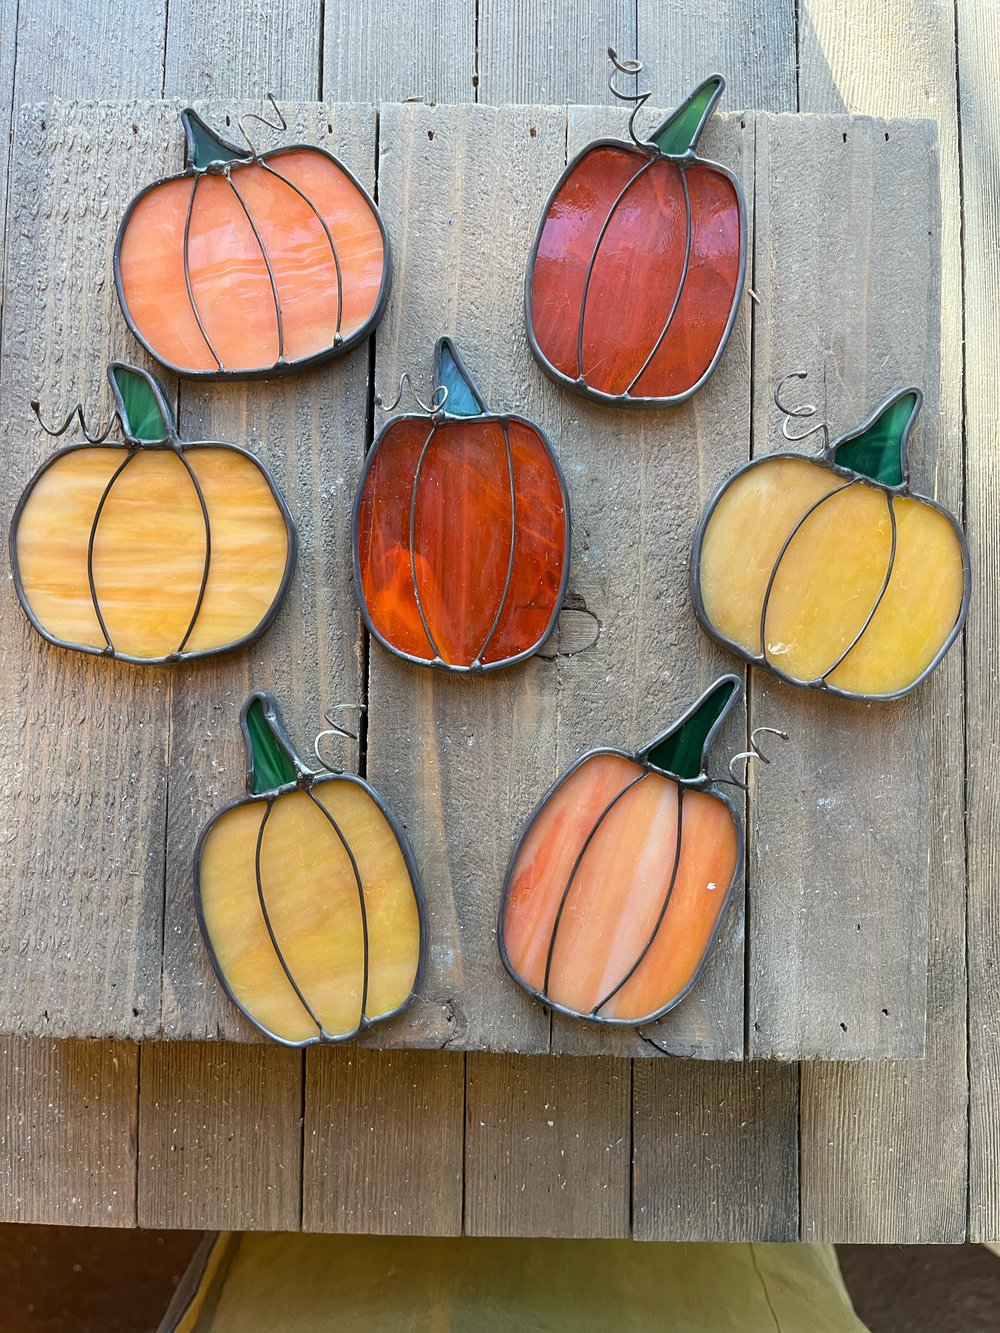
(432, 408)
(640, 99)
(802, 410)
(335, 729)
(76, 414)
(755, 752)
(280, 124)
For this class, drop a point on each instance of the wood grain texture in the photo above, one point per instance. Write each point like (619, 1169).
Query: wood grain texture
(384, 1142)
(548, 1145)
(244, 49)
(550, 51)
(841, 827)
(384, 51)
(715, 1151)
(751, 42)
(220, 1137)
(980, 122)
(68, 1126)
(309, 430)
(883, 1155)
(82, 894)
(89, 50)
(634, 519)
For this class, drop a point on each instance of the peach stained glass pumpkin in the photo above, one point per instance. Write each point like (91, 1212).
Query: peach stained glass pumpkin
(461, 531)
(149, 548)
(248, 265)
(637, 269)
(616, 890)
(829, 571)
(308, 895)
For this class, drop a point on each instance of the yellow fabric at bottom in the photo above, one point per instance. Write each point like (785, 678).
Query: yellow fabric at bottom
(256, 1283)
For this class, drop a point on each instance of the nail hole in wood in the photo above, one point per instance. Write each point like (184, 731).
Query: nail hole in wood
(430, 134)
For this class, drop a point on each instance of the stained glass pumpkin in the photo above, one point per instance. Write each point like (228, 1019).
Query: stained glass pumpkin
(150, 548)
(461, 532)
(616, 890)
(250, 265)
(829, 571)
(637, 269)
(308, 895)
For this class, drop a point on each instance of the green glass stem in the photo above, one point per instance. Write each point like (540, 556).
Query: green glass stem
(683, 750)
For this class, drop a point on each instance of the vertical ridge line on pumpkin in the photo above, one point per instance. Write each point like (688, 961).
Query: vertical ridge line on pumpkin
(187, 274)
(208, 550)
(329, 236)
(270, 929)
(688, 240)
(267, 264)
(596, 1011)
(418, 470)
(781, 554)
(93, 537)
(513, 548)
(878, 600)
(572, 875)
(593, 261)
(361, 899)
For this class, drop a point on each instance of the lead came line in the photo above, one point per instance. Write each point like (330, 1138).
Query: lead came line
(413, 553)
(513, 547)
(878, 600)
(680, 285)
(208, 551)
(329, 236)
(361, 895)
(267, 265)
(90, 547)
(595, 1012)
(187, 276)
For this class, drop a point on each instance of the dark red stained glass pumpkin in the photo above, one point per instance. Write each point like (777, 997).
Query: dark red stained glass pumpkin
(461, 531)
(638, 265)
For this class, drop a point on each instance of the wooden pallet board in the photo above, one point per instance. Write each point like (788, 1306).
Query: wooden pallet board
(463, 762)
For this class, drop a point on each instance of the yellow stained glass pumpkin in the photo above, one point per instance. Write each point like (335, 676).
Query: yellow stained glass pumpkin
(308, 895)
(149, 548)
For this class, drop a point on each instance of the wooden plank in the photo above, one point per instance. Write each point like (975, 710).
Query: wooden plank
(384, 51)
(980, 117)
(751, 42)
(548, 1146)
(82, 881)
(841, 826)
(383, 1142)
(652, 660)
(715, 1152)
(89, 50)
(883, 1154)
(309, 430)
(548, 51)
(220, 1136)
(68, 1127)
(244, 49)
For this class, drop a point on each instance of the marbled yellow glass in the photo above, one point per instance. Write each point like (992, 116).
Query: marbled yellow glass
(829, 571)
(308, 896)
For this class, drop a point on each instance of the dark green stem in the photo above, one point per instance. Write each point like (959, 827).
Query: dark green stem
(145, 416)
(464, 399)
(682, 751)
(678, 135)
(203, 146)
(878, 448)
(271, 758)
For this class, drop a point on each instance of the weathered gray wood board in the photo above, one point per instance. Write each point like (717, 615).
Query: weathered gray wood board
(244, 49)
(88, 50)
(842, 821)
(547, 1146)
(383, 1142)
(884, 1146)
(980, 120)
(385, 51)
(220, 1137)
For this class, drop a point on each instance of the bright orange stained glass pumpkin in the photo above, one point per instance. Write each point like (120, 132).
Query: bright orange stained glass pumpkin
(248, 265)
(829, 571)
(637, 269)
(308, 895)
(150, 548)
(461, 531)
(616, 889)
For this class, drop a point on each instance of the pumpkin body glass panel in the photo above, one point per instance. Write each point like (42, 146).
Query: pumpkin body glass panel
(616, 890)
(825, 578)
(461, 539)
(636, 274)
(267, 265)
(131, 519)
(310, 911)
